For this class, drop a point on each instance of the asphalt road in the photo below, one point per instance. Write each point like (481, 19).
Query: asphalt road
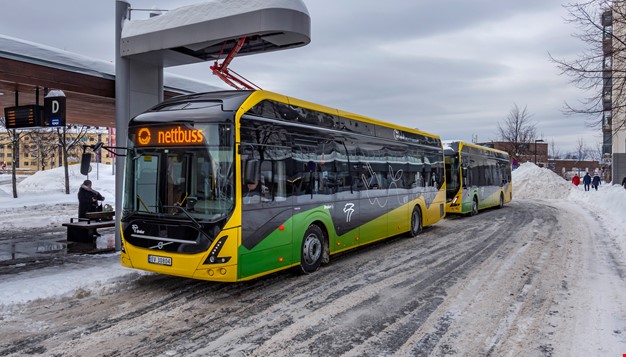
(500, 283)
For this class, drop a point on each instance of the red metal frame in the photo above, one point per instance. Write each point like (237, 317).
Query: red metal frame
(231, 77)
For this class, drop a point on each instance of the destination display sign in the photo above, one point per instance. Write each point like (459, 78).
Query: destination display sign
(24, 116)
(168, 136)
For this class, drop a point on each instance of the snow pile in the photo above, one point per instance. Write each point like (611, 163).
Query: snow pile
(608, 205)
(51, 180)
(532, 181)
(48, 187)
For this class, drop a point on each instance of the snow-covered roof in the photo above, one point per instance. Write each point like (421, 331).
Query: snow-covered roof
(31, 52)
(205, 11)
(204, 31)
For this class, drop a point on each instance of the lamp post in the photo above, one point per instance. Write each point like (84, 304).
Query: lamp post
(537, 141)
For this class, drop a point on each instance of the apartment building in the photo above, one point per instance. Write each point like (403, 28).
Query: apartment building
(614, 116)
(40, 150)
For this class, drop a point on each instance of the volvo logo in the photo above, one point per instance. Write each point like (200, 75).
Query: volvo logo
(160, 245)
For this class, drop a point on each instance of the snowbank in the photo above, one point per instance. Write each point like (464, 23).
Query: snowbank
(532, 181)
(48, 187)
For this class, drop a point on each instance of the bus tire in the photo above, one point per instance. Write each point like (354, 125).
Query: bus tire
(474, 207)
(312, 249)
(501, 201)
(416, 221)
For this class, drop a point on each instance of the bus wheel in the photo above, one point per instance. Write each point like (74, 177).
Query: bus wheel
(501, 201)
(312, 249)
(416, 222)
(474, 207)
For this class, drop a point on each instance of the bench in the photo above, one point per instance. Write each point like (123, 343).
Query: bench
(101, 215)
(85, 229)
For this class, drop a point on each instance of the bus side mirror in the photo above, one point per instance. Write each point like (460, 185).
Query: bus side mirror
(251, 173)
(85, 162)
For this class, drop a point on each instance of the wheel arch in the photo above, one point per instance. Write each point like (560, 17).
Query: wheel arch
(326, 232)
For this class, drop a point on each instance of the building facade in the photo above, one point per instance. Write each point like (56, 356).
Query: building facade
(536, 152)
(40, 150)
(614, 102)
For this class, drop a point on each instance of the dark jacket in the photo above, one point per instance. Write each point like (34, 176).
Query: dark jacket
(596, 180)
(88, 200)
(624, 182)
(587, 179)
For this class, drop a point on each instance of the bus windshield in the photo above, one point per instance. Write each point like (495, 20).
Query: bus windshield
(182, 181)
(452, 175)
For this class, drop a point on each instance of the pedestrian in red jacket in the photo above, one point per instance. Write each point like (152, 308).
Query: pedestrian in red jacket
(576, 180)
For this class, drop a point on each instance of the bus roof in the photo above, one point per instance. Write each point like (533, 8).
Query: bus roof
(457, 145)
(245, 99)
(263, 94)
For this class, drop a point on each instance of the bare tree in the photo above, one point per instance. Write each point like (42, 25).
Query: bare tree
(581, 150)
(14, 138)
(595, 152)
(599, 70)
(44, 147)
(70, 145)
(554, 152)
(518, 130)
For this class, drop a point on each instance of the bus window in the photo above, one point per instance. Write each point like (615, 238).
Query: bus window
(177, 179)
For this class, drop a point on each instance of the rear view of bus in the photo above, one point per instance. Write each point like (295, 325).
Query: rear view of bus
(477, 177)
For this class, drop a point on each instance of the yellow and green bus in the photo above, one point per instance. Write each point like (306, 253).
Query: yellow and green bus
(234, 185)
(477, 177)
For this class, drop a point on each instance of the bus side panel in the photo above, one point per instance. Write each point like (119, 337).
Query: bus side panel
(508, 192)
(433, 206)
(468, 199)
(489, 196)
(374, 205)
(399, 220)
(266, 241)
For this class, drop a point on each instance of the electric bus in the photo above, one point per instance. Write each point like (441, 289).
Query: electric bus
(234, 185)
(477, 177)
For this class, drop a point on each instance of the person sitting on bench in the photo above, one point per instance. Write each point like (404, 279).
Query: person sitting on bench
(88, 199)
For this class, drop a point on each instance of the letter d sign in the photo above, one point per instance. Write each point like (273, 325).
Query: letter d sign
(54, 110)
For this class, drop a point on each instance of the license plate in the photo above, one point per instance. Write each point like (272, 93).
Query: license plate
(155, 259)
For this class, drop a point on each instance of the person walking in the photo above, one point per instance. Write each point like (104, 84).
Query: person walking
(88, 199)
(595, 182)
(624, 182)
(586, 181)
(576, 180)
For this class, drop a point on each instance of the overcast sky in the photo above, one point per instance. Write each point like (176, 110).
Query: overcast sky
(450, 67)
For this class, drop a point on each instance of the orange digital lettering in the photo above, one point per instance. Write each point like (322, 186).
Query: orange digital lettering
(143, 136)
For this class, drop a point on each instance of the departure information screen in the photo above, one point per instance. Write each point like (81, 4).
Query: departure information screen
(24, 116)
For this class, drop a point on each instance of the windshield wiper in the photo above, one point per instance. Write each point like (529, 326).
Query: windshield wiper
(198, 225)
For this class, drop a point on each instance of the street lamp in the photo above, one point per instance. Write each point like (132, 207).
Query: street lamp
(537, 141)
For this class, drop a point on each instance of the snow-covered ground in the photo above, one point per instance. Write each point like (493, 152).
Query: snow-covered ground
(42, 203)
(605, 208)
